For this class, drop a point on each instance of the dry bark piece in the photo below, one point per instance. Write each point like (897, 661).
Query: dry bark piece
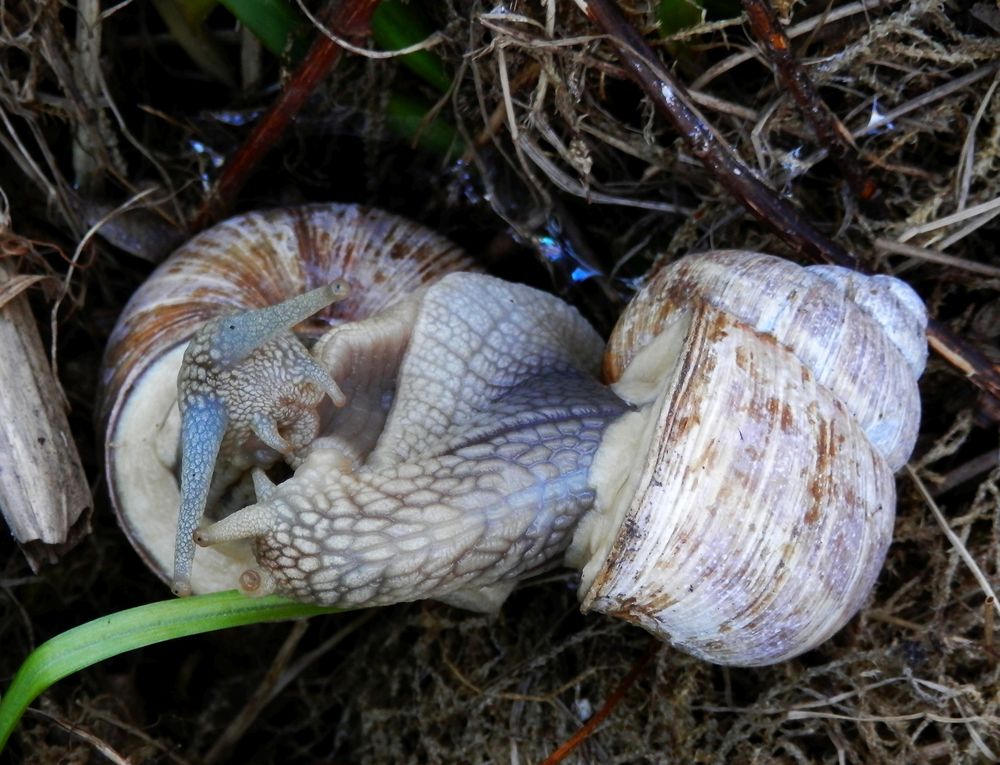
(44, 495)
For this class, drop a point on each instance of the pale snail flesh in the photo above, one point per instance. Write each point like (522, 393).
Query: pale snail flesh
(476, 434)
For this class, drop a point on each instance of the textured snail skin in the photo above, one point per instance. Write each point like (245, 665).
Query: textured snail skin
(245, 375)
(479, 475)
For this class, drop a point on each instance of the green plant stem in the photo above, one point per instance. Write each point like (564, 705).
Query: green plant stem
(409, 118)
(282, 29)
(134, 628)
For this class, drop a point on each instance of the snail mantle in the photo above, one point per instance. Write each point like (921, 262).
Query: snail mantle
(332, 405)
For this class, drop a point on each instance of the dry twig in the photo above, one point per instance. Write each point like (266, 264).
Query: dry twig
(828, 129)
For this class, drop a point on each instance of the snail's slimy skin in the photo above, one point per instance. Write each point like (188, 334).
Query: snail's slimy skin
(479, 475)
(245, 375)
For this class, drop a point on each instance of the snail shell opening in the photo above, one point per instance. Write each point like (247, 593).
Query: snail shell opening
(143, 462)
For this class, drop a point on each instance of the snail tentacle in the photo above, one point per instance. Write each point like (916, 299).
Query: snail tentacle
(253, 261)
(263, 486)
(203, 426)
(245, 375)
(233, 338)
(253, 521)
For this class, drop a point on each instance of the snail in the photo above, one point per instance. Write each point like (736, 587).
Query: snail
(727, 485)
(250, 262)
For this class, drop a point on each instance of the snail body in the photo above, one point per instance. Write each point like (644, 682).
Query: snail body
(479, 475)
(731, 491)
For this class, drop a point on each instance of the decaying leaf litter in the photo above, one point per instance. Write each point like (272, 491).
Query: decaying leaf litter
(565, 176)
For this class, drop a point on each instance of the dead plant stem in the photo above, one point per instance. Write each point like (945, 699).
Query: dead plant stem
(613, 700)
(828, 129)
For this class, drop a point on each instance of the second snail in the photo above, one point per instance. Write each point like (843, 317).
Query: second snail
(721, 474)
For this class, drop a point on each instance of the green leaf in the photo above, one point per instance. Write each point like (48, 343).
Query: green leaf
(398, 25)
(395, 25)
(135, 628)
(195, 11)
(678, 15)
(276, 23)
(284, 30)
(675, 15)
(409, 118)
(184, 20)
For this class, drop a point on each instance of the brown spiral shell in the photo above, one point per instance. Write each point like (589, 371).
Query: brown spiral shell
(262, 258)
(862, 336)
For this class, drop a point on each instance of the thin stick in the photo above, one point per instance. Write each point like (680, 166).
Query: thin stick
(962, 355)
(671, 99)
(967, 471)
(829, 131)
(616, 696)
(352, 20)
(920, 102)
(956, 217)
(934, 256)
(571, 186)
(960, 548)
(99, 745)
(225, 743)
(989, 619)
(925, 99)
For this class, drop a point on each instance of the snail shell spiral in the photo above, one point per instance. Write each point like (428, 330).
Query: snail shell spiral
(773, 404)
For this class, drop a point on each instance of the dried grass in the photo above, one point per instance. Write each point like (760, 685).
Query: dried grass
(562, 148)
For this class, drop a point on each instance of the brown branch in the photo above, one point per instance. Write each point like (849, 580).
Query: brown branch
(616, 696)
(828, 129)
(670, 98)
(351, 20)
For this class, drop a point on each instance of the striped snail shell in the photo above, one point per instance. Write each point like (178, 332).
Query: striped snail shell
(744, 509)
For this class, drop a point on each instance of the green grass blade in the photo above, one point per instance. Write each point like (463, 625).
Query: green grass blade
(396, 25)
(676, 15)
(135, 628)
(408, 117)
(279, 26)
(185, 21)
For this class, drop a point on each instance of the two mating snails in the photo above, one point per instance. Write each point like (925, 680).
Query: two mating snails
(431, 432)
